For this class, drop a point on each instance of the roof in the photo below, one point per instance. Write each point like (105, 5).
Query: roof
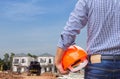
(45, 55)
(21, 55)
(25, 55)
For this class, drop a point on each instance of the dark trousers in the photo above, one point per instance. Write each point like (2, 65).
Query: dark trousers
(107, 69)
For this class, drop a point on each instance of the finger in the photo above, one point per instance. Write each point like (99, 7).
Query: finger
(62, 71)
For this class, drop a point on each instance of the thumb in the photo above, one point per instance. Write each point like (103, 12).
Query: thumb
(61, 70)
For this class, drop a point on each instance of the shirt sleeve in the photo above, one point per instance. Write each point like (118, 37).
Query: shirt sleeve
(77, 20)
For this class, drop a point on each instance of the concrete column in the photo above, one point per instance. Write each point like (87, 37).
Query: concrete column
(42, 70)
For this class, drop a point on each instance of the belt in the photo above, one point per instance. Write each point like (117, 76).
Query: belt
(108, 57)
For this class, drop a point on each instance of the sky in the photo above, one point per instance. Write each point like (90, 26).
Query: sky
(34, 26)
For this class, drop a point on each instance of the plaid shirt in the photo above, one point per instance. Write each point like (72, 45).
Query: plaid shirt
(102, 18)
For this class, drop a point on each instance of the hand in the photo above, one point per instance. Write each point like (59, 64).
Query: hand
(58, 59)
(61, 70)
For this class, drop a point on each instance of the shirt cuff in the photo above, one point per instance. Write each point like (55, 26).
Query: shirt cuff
(65, 41)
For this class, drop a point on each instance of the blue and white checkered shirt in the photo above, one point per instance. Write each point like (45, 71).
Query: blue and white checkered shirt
(102, 18)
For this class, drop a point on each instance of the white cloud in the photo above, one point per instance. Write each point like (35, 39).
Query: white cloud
(21, 11)
(32, 9)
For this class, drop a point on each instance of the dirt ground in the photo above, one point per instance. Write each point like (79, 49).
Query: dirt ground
(46, 75)
(40, 77)
(9, 75)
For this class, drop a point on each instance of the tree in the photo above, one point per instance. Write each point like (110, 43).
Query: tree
(34, 56)
(11, 59)
(6, 63)
(1, 64)
(6, 57)
(11, 56)
(29, 54)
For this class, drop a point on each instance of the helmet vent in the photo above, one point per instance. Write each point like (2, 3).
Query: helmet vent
(77, 62)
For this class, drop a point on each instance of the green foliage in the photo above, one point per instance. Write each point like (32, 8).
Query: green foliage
(29, 54)
(6, 62)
